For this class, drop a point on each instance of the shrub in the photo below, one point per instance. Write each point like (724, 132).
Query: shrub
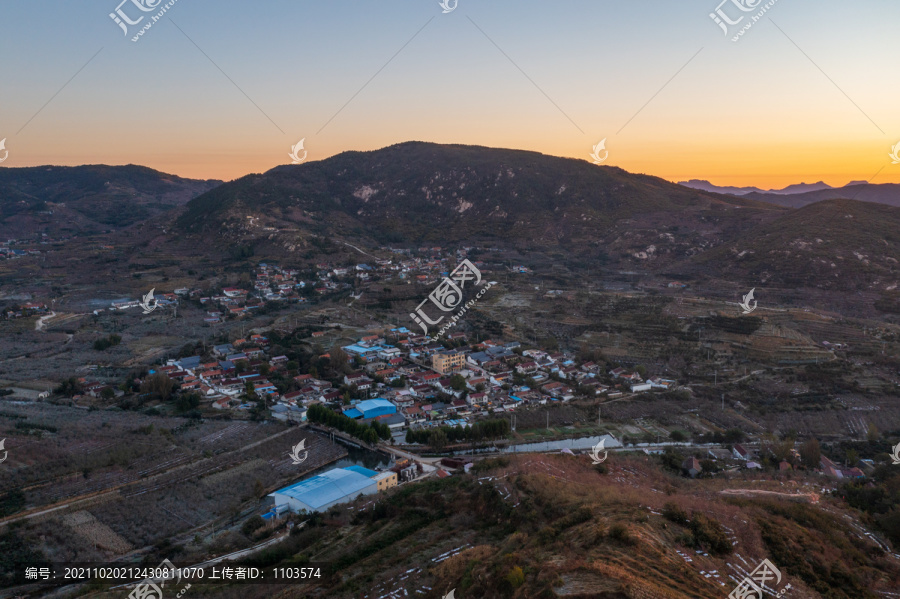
(11, 502)
(709, 532)
(107, 342)
(619, 533)
(515, 577)
(675, 513)
(252, 525)
(489, 464)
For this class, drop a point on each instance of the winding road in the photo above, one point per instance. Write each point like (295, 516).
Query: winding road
(39, 325)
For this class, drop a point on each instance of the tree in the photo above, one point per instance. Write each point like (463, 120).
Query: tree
(107, 393)
(69, 387)
(678, 436)
(187, 402)
(438, 439)
(107, 342)
(339, 358)
(872, 434)
(549, 343)
(782, 449)
(734, 435)
(457, 382)
(810, 453)
(370, 437)
(158, 384)
(252, 524)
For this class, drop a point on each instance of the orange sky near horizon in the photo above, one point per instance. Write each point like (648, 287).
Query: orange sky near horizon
(771, 170)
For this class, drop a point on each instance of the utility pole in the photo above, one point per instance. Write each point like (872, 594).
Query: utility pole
(723, 402)
(548, 420)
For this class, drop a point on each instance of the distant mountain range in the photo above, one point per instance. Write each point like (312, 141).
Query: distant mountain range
(885, 193)
(802, 194)
(61, 200)
(571, 216)
(797, 188)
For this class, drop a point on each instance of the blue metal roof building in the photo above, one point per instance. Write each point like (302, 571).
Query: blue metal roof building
(361, 470)
(320, 492)
(371, 408)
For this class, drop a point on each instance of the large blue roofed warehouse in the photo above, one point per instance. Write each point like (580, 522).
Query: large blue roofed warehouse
(371, 408)
(340, 485)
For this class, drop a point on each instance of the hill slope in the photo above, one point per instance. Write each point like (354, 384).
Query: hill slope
(834, 244)
(87, 199)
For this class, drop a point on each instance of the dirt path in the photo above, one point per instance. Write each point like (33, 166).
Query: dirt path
(360, 251)
(39, 325)
(810, 497)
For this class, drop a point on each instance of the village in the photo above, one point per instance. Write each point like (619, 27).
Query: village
(394, 376)
(408, 382)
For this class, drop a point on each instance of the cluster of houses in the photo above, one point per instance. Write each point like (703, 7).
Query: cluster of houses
(25, 310)
(400, 378)
(238, 368)
(425, 270)
(7, 252)
(160, 300)
(428, 383)
(274, 283)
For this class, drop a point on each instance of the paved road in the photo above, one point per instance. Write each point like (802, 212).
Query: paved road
(408, 455)
(229, 556)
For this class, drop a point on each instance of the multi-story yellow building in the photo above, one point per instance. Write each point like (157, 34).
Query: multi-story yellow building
(449, 362)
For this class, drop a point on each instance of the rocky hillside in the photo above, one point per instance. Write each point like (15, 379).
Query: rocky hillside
(836, 244)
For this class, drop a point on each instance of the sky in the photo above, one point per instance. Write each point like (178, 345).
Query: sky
(220, 88)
